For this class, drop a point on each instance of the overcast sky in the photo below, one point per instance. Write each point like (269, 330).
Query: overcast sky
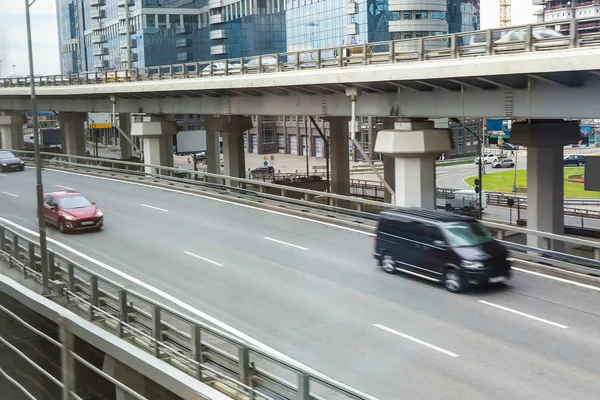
(13, 34)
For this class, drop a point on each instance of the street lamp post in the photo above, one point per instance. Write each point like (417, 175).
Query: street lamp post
(38, 159)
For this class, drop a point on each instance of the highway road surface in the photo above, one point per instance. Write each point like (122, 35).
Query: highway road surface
(313, 292)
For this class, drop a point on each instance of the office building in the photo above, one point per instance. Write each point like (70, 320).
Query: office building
(560, 10)
(100, 35)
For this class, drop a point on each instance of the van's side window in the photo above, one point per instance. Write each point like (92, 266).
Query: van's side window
(415, 231)
(433, 233)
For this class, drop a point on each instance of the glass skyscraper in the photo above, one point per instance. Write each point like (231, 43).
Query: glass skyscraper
(94, 36)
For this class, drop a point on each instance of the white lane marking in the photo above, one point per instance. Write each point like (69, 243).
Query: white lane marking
(191, 309)
(5, 176)
(154, 208)
(203, 258)
(288, 216)
(65, 187)
(10, 194)
(523, 314)
(555, 278)
(285, 243)
(419, 341)
(219, 200)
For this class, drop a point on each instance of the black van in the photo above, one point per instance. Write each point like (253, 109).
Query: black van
(441, 247)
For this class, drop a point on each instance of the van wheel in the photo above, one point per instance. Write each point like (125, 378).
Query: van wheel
(511, 166)
(388, 264)
(453, 281)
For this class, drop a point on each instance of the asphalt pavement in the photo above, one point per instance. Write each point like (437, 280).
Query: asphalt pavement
(313, 292)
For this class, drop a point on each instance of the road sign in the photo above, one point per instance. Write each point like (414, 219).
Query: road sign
(266, 163)
(265, 158)
(511, 202)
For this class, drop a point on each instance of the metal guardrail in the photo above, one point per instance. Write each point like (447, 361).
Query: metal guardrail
(219, 359)
(448, 46)
(347, 208)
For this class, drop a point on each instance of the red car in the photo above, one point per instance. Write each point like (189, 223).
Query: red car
(71, 211)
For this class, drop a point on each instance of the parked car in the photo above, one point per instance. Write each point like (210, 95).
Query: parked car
(508, 146)
(10, 162)
(574, 159)
(488, 158)
(440, 247)
(504, 163)
(466, 200)
(71, 211)
(262, 171)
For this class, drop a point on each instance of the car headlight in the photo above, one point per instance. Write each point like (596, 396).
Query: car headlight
(69, 217)
(4, 164)
(99, 214)
(22, 162)
(471, 264)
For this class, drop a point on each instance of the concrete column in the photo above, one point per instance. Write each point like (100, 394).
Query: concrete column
(213, 154)
(545, 140)
(389, 167)
(127, 376)
(339, 142)
(156, 134)
(414, 145)
(72, 124)
(125, 126)
(232, 128)
(11, 128)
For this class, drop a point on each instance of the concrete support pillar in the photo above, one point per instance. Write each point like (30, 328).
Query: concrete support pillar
(73, 131)
(545, 140)
(213, 153)
(127, 376)
(232, 128)
(11, 129)
(389, 167)
(339, 142)
(156, 133)
(414, 145)
(125, 126)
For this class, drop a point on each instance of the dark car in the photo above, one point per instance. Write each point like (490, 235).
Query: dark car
(9, 162)
(262, 171)
(441, 247)
(574, 159)
(508, 146)
(71, 211)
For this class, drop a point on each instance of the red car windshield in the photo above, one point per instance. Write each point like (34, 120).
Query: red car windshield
(76, 201)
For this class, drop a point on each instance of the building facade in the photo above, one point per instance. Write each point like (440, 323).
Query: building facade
(100, 35)
(555, 10)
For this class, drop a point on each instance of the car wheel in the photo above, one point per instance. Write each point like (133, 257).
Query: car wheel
(511, 166)
(388, 264)
(22, 168)
(61, 227)
(579, 164)
(453, 281)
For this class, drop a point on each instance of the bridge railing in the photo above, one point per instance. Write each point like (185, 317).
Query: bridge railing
(577, 33)
(352, 210)
(215, 357)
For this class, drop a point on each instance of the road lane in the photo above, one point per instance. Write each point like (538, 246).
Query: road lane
(320, 305)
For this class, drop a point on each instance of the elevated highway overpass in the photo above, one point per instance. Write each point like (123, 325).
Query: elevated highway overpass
(311, 290)
(408, 78)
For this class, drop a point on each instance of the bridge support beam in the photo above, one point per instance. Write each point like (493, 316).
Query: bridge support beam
(125, 125)
(73, 133)
(232, 127)
(339, 143)
(157, 137)
(389, 167)
(414, 145)
(11, 127)
(545, 140)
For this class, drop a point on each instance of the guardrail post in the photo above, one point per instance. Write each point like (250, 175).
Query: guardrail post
(244, 364)
(123, 312)
(573, 34)
(15, 248)
(340, 57)
(2, 238)
(303, 386)
(529, 38)
(453, 46)
(365, 56)
(596, 252)
(156, 329)
(277, 63)
(297, 60)
(31, 255)
(197, 349)
(489, 42)
(50, 274)
(421, 49)
(392, 50)
(93, 295)
(67, 362)
(318, 59)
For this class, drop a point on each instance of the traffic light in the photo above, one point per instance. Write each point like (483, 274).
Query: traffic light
(477, 186)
